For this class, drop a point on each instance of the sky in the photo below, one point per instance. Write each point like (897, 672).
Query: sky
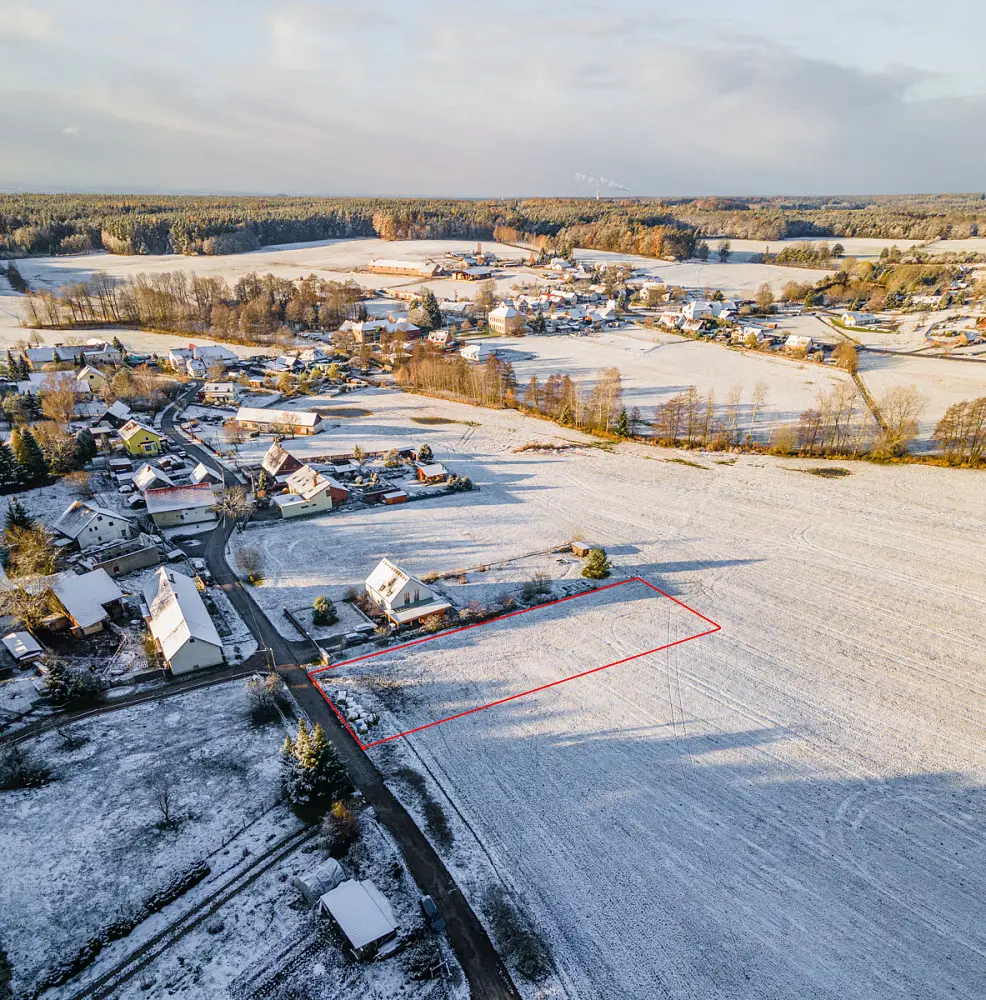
(510, 98)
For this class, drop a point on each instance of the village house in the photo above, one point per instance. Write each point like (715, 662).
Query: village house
(858, 319)
(220, 392)
(443, 338)
(478, 351)
(401, 597)
(175, 506)
(472, 273)
(123, 556)
(433, 472)
(309, 492)
(180, 624)
(798, 343)
(255, 418)
(92, 378)
(148, 477)
(139, 439)
(95, 352)
(88, 600)
(88, 525)
(505, 320)
(278, 463)
(203, 474)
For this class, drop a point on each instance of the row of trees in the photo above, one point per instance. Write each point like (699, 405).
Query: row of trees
(251, 311)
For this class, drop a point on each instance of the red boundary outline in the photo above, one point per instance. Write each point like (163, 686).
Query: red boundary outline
(513, 697)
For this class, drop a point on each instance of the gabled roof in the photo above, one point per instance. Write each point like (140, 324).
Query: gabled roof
(261, 415)
(79, 514)
(179, 498)
(84, 596)
(387, 579)
(120, 410)
(223, 387)
(277, 461)
(201, 473)
(362, 912)
(148, 477)
(88, 370)
(177, 612)
(132, 427)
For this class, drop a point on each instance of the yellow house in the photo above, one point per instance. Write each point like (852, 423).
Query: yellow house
(140, 440)
(92, 378)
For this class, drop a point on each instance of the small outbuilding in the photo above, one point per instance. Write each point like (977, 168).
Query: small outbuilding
(22, 646)
(363, 914)
(316, 883)
(175, 506)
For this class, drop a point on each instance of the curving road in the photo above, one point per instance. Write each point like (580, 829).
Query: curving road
(487, 976)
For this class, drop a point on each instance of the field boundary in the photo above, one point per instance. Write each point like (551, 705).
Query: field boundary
(316, 674)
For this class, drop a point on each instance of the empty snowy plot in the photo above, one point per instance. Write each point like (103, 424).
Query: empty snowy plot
(483, 667)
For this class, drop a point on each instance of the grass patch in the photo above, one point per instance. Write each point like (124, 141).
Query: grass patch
(515, 937)
(436, 822)
(685, 461)
(434, 421)
(724, 461)
(343, 411)
(828, 472)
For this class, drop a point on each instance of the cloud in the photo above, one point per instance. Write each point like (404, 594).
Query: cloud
(437, 98)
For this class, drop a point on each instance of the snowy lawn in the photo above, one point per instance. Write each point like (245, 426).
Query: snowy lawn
(86, 849)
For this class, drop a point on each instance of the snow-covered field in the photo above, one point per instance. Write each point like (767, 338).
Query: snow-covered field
(791, 807)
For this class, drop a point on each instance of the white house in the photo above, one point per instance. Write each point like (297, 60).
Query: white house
(309, 493)
(147, 477)
(859, 319)
(478, 351)
(505, 320)
(180, 624)
(90, 525)
(220, 392)
(402, 598)
(175, 506)
(698, 309)
(203, 474)
(798, 343)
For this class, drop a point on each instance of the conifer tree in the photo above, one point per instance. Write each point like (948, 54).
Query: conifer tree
(16, 516)
(10, 471)
(314, 774)
(86, 444)
(425, 453)
(623, 423)
(28, 453)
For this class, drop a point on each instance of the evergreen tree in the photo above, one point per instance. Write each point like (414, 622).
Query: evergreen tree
(314, 774)
(425, 453)
(86, 444)
(324, 611)
(538, 323)
(430, 305)
(23, 369)
(16, 516)
(28, 454)
(623, 423)
(10, 471)
(596, 565)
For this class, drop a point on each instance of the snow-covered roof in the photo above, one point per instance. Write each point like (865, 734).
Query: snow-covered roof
(177, 612)
(260, 415)
(433, 469)
(504, 311)
(320, 880)
(179, 498)
(132, 427)
(22, 645)
(308, 483)
(84, 596)
(362, 912)
(422, 609)
(79, 514)
(148, 477)
(278, 460)
(389, 264)
(201, 473)
(120, 410)
(219, 387)
(88, 371)
(386, 579)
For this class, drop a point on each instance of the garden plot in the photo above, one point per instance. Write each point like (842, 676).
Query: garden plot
(438, 679)
(97, 851)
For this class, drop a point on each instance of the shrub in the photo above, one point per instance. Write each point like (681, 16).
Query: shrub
(324, 611)
(251, 564)
(267, 695)
(18, 770)
(340, 828)
(596, 565)
(70, 685)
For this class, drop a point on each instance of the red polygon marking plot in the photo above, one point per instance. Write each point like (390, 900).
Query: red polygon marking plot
(314, 674)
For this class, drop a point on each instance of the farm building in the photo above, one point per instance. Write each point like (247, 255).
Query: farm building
(180, 624)
(395, 496)
(385, 266)
(89, 525)
(278, 463)
(255, 418)
(140, 440)
(316, 883)
(174, 506)
(123, 556)
(362, 913)
(798, 343)
(403, 598)
(87, 599)
(147, 477)
(474, 273)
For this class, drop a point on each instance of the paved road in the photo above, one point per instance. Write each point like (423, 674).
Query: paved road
(487, 976)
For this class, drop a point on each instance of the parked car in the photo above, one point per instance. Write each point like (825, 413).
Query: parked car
(431, 913)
